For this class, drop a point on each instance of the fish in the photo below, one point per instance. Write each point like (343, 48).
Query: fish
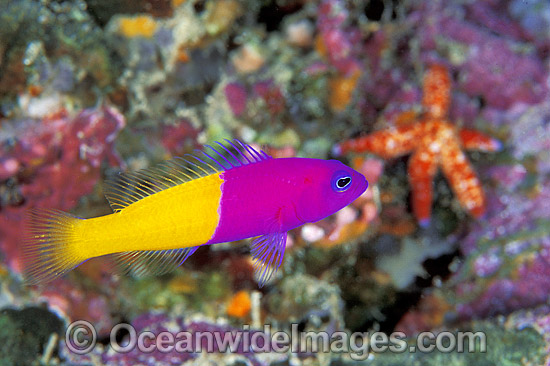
(228, 191)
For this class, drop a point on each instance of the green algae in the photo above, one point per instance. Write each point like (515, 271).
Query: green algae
(504, 347)
(24, 335)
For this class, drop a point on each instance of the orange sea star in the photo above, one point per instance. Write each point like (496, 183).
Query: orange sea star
(432, 142)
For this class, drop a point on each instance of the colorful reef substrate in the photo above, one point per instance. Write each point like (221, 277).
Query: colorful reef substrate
(444, 106)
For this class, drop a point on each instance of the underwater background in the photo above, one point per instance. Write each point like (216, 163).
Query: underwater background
(453, 95)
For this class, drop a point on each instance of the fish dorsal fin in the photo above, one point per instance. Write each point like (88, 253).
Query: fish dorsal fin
(153, 262)
(132, 187)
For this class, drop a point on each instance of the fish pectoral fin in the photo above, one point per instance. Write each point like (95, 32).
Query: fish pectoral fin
(267, 251)
(152, 262)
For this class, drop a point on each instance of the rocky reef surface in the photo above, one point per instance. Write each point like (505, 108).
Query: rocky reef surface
(89, 88)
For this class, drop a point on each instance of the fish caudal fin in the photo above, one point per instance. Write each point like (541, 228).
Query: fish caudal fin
(50, 248)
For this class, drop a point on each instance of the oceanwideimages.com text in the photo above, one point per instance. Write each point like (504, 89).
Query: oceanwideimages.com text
(81, 338)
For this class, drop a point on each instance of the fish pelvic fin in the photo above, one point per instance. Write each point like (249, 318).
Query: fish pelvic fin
(50, 246)
(267, 252)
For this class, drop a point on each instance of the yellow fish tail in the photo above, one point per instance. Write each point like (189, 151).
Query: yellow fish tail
(51, 247)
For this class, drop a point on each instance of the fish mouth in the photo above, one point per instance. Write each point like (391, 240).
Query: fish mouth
(361, 188)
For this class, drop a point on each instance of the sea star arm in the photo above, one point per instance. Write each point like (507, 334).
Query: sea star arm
(463, 180)
(422, 169)
(390, 143)
(436, 92)
(474, 140)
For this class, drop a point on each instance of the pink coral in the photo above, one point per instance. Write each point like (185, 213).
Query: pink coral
(180, 138)
(75, 302)
(59, 161)
(340, 43)
(236, 97)
(272, 96)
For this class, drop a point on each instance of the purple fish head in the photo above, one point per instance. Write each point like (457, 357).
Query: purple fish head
(328, 186)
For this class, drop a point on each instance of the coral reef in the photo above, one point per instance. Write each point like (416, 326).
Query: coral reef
(89, 88)
(433, 143)
(36, 329)
(53, 162)
(240, 305)
(188, 347)
(57, 56)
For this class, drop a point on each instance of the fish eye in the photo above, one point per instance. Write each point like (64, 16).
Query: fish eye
(341, 181)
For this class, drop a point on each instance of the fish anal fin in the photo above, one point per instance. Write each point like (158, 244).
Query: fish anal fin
(152, 262)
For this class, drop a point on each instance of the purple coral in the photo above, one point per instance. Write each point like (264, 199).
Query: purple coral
(487, 264)
(530, 134)
(529, 288)
(517, 264)
(162, 355)
(509, 176)
(491, 65)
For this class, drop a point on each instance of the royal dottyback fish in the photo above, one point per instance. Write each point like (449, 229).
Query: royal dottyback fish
(162, 215)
